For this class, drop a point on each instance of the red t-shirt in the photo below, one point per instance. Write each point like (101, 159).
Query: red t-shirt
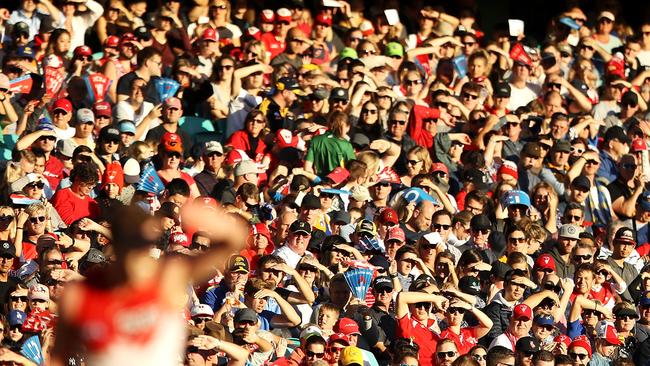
(53, 171)
(464, 341)
(72, 208)
(273, 46)
(426, 338)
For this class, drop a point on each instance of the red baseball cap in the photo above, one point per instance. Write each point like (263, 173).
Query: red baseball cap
(179, 238)
(522, 311)
(323, 18)
(210, 34)
(439, 167)
(339, 337)
(581, 341)
(112, 42)
(102, 108)
(261, 229)
(254, 32)
(388, 215)
(127, 38)
(173, 102)
(639, 145)
(562, 338)
(82, 50)
(396, 233)
(62, 104)
(283, 15)
(545, 261)
(607, 331)
(338, 175)
(267, 16)
(347, 326)
(172, 142)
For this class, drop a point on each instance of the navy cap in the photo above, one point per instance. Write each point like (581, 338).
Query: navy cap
(339, 94)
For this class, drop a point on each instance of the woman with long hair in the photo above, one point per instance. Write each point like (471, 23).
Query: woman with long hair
(59, 44)
(331, 149)
(418, 161)
(251, 138)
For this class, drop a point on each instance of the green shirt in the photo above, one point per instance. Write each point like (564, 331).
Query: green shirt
(327, 152)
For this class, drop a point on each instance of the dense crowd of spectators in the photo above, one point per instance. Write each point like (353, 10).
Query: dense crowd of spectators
(313, 183)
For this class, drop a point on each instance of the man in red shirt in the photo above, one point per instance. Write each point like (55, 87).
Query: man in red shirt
(414, 321)
(74, 203)
(275, 41)
(44, 139)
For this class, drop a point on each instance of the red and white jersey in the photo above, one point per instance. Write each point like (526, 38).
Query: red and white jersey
(129, 327)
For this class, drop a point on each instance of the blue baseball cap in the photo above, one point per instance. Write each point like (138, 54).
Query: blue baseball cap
(126, 126)
(16, 317)
(25, 51)
(544, 320)
(645, 299)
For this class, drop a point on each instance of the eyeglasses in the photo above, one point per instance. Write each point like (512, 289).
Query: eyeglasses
(113, 142)
(314, 354)
(412, 162)
(573, 218)
(470, 96)
(36, 219)
(625, 317)
(19, 298)
(257, 120)
(412, 82)
(578, 356)
(214, 154)
(38, 185)
(448, 354)
(602, 273)
(368, 111)
(395, 122)
(481, 231)
(588, 313)
(584, 257)
(174, 155)
(460, 311)
(441, 226)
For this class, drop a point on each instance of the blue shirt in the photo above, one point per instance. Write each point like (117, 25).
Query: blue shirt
(607, 168)
(216, 296)
(34, 22)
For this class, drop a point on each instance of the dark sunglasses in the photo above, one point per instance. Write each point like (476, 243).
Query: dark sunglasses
(592, 162)
(441, 227)
(201, 320)
(425, 305)
(578, 356)
(460, 311)
(602, 273)
(174, 154)
(314, 354)
(47, 138)
(413, 82)
(19, 298)
(574, 218)
(38, 185)
(448, 354)
(545, 270)
(6, 218)
(584, 257)
(482, 231)
(395, 122)
(57, 262)
(369, 111)
(470, 96)
(37, 219)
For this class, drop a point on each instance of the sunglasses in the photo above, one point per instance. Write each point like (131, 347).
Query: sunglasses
(602, 273)
(517, 240)
(274, 272)
(38, 185)
(47, 138)
(19, 298)
(201, 320)
(578, 356)
(592, 162)
(584, 257)
(425, 305)
(552, 287)
(470, 96)
(441, 227)
(37, 219)
(479, 357)
(628, 166)
(587, 313)
(413, 82)
(545, 270)
(314, 354)
(56, 262)
(481, 231)
(448, 354)
(625, 317)
(6, 218)
(576, 150)
(412, 162)
(368, 111)
(174, 155)
(574, 218)
(460, 311)
(395, 122)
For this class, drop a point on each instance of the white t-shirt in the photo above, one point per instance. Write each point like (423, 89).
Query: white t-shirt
(64, 134)
(521, 97)
(123, 110)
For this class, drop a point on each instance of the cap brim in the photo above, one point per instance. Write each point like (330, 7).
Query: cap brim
(301, 231)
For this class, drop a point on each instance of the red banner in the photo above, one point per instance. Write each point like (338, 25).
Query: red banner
(21, 85)
(98, 85)
(53, 81)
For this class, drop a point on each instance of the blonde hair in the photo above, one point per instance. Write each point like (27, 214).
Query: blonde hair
(424, 156)
(371, 159)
